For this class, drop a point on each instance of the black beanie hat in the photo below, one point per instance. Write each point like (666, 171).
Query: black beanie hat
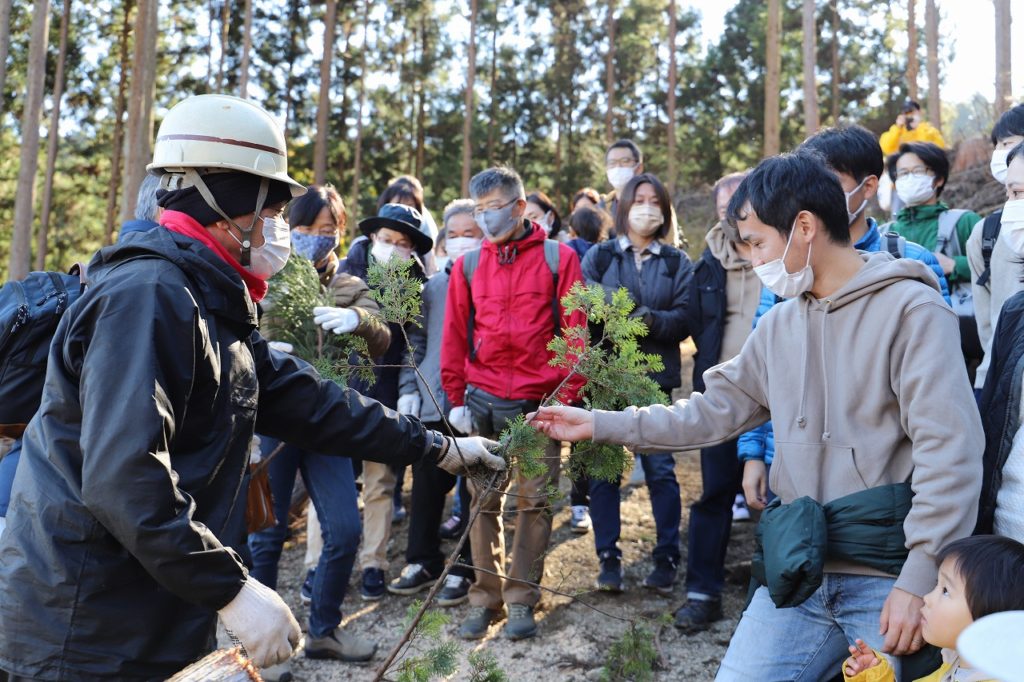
(236, 194)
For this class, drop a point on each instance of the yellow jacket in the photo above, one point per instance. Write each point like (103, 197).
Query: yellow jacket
(897, 135)
(949, 671)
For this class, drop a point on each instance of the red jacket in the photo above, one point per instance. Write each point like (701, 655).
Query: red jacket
(513, 324)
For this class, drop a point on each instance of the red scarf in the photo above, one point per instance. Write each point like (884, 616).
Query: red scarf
(182, 223)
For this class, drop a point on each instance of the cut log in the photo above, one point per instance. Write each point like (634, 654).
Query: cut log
(223, 665)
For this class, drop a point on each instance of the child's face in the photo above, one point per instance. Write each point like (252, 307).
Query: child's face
(946, 614)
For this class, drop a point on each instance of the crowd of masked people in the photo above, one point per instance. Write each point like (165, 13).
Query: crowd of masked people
(886, 353)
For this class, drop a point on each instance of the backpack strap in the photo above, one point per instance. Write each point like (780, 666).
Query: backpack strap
(894, 244)
(947, 241)
(469, 263)
(605, 252)
(989, 235)
(552, 258)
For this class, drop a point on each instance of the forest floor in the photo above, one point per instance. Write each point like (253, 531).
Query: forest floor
(573, 639)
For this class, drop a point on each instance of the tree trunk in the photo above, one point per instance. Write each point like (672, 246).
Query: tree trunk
(467, 123)
(358, 154)
(421, 112)
(931, 22)
(118, 143)
(810, 69)
(25, 196)
(1004, 97)
(289, 82)
(609, 74)
(5, 44)
(225, 18)
(52, 137)
(140, 110)
(209, 46)
(344, 69)
(672, 99)
(836, 69)
(243, 76)
(492, 124)
(773, 67)
(911, 50)
(323, 108)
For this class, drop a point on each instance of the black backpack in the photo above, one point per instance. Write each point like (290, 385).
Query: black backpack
(30, 310)
(989, 235)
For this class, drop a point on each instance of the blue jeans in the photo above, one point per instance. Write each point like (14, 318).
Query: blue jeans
(8, 465)
(807, 643)
(659, 470)
(332, 489)
(711, 520)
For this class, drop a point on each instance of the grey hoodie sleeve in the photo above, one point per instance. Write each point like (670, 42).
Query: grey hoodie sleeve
(938, 413)
(733, 402)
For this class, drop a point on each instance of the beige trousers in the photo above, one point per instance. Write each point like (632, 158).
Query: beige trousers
(378, 492)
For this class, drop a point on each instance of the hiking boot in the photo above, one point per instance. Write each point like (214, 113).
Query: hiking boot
(454, 592)
(740, 511)
(580, 522)
(697, 615)
(610, 577)
(663, 577)
(413, 579)
(479, 619)
(521, 623)
(372, 587)
(452, 528)
(306, 592)
(341, 645)
(280, 672)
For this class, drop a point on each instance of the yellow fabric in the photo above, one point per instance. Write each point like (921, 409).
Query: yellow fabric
(897, 135)
(883, 673)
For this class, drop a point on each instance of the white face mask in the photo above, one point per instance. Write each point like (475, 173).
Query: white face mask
(619, 176)
(998, 164)
(1012, 230)
(914, 190)
(645, 219)
(781, 283)
(384, 252)
(268, 260)
(851, 217)
(460, 246)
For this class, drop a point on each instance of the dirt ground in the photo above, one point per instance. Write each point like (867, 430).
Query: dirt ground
(573, 639)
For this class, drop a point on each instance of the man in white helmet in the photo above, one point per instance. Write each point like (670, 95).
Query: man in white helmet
(116, 560)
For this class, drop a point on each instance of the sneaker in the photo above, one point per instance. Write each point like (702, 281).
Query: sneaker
(697, 615)
(521, 623)
(663, 577)
(306, 593)
(454, 592)
(399, 514)
(280, 672)
(413, 579)
(580, 521)
(372, 587)
(637, 477)
(740, 511)
(610, 577)
(452, 528)
(341, 645)
(479, 619)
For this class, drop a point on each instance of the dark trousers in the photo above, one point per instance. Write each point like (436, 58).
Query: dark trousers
(711, 520)
(430, 487)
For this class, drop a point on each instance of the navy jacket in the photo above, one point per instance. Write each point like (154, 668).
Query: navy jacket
(706, 314)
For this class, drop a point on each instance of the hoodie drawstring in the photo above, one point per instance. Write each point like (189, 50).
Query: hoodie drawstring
(801, 420)
(826, 434)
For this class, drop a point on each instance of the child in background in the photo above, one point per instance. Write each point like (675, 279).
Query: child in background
(978, 576)
(588, 225)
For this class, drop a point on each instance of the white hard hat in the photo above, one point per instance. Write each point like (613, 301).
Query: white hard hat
(222, 133)
(994, 645)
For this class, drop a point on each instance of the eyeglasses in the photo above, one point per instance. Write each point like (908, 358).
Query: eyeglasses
(325, 231)
(918, 171)
(625, 162)
(481, 209)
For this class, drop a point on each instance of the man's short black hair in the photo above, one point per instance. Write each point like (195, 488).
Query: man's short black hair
(1011, 123)
(933, 157)
(852, 150)
(910, 105)
(1017, 150)
(992, 568)
(626, 144)
(782, 186)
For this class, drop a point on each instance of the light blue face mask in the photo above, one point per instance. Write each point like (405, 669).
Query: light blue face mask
(313, 247)
(497, 222)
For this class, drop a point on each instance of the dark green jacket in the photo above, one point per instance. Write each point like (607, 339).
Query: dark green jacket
(794, 540)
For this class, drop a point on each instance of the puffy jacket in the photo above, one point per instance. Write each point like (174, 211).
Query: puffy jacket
(920, 224)
(896, 135)
(1000, 404)
(661, 296)
(112, 565)
(513, 322)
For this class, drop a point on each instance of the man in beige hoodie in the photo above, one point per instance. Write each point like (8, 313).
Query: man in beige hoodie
(852, 372)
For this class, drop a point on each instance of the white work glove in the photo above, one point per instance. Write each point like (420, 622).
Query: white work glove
(465, 452)
(461, 419)
(409, 404)
(337, 320)
(255, 452)
(262, 622)
(281, 346)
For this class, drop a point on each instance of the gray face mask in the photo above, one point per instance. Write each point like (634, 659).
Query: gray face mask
(497, 222)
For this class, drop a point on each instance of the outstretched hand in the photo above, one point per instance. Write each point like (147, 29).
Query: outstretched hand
(861, 658)
(560, 422)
